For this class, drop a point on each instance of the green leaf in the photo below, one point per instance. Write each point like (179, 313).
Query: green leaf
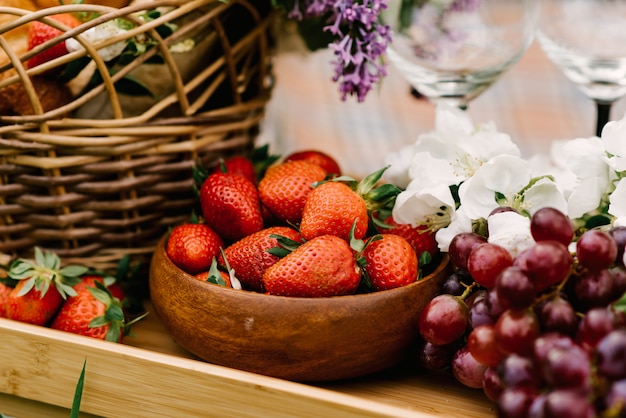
(99, 321)
(28, 285)
(40, 258)
(101, 294)
(113, 334)
(78, 393)
(73, 271)
(115, 313)
(64, 289)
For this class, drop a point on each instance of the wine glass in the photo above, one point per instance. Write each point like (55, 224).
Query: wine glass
(453, 50)
(586, 39)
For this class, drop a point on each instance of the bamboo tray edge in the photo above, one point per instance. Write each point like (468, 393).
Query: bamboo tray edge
(43, 365)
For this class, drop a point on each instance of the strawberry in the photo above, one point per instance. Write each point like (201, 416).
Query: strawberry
(42, 287)
(285, 187)
(39, 32)
(250, 256)
(231, 206)
(335, 205)
(328, 163)
(192, 246)
(421, 238)
(238, 165)
(331, 209)
(92, 312)
(388, 261)
(324, 266)
(5, 291)
(216, 276)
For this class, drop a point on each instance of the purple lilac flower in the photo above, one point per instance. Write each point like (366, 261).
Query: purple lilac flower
(360, 41)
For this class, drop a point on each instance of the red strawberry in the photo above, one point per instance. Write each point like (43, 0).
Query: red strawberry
(324, 266)
(39, 32)
(332, 208)
(285, 187)
(249, 257)
(32, 305)
(191, 247)
(421, 238)
(93, 312)
(215, 276)
(231, 206)
(238, 165)
(328, 163)
(42, 287)
(5, 291)
(388, 261)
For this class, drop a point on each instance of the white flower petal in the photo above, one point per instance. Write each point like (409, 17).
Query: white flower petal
(511, 231)
(460, 223)
(417, 207)
(617, 200)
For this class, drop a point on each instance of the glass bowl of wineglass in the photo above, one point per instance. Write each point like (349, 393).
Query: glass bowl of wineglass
(452, 50)
(586, 39)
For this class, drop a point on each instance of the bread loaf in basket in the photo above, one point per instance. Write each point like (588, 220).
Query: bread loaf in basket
(96, 153)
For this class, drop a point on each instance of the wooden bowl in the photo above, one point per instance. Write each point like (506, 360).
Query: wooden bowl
(297, 339)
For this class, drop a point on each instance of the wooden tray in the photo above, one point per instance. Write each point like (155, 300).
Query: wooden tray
(149, 375)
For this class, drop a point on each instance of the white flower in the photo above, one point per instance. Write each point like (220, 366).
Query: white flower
(452, 152)
(398, 164)
(613, 135)
(617, 203)
(460, 222)
(431, 206)
(98, 34)
(511, 231)
(585, 159)
(505, 175)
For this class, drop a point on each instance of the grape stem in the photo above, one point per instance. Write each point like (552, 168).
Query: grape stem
(469, 289)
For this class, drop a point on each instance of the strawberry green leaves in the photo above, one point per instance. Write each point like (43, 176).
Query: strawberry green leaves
(45, 271)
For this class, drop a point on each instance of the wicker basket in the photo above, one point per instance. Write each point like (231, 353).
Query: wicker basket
(107, 173)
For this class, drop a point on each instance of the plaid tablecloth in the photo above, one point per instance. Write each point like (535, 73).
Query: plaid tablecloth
(533, 102)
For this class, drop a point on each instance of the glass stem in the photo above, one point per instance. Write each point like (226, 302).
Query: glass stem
(603, 114)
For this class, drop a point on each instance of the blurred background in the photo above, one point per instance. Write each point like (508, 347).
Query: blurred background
(533, 103)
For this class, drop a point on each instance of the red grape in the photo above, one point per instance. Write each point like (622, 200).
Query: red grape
(517, 371)
(567, 367)
(485, 263)
(461, 246)
(596, 323)
(492, 384)
(596, 249)
(516, 331)
(481, 343)
(515, 402)
(550, 224)
(619, 235)
(443, 320)
(466, 369)
(514, 288)
(558, 315)
(435, 357)
(594, 288)
(611, 355)
(546, 263)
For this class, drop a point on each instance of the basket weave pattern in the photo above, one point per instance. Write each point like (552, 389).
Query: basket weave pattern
(94, 188)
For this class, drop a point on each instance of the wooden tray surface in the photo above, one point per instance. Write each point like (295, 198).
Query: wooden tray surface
(149, 375)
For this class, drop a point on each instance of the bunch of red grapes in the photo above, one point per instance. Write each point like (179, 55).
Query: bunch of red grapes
(543, 333)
